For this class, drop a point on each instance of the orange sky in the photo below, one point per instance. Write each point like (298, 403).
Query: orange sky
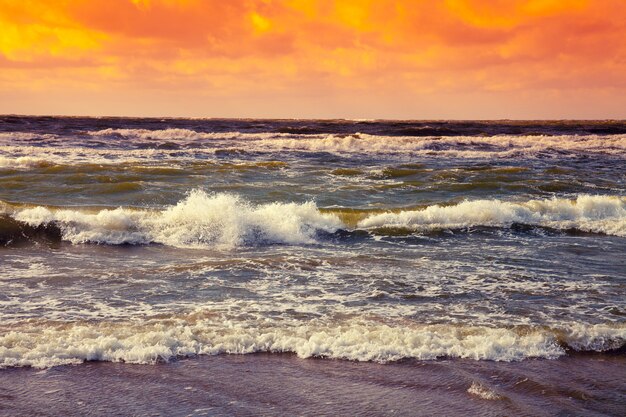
(458, 59)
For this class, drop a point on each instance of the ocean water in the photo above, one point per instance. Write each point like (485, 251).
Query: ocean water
(144, 241)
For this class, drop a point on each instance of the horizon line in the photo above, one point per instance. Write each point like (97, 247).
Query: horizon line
(356, 119)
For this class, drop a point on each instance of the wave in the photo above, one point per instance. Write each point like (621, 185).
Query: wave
(595, 214)
(25, 136)
(200, 220)
(26, 157)
(24, 162)
(204, 220)
(457, 146)
(451, 146)
(45, 344)
(179, 135)
(108, 143)
(13, 231)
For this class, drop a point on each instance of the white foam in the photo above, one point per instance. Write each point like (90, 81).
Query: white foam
(180, 135)
(481, 391)
(27, 157)
(72, 151)
(200, 220)
(598, 214)
(26, 136)
(598, 338)
(454, 146)
(167, 134)
(48, 344)
(23, 162)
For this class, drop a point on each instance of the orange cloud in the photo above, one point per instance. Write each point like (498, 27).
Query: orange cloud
(386, 58)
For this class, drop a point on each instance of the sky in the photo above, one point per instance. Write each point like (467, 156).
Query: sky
(363, 59)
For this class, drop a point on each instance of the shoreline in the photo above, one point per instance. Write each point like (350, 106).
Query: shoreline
(283, 384)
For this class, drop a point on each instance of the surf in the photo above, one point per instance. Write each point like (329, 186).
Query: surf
(204, 220)
(42, 344)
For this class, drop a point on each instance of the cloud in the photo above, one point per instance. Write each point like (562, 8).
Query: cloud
(215, 49)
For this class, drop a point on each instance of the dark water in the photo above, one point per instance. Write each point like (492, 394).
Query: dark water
(147, 240)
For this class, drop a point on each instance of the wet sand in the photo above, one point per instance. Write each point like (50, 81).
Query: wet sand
(283, 384)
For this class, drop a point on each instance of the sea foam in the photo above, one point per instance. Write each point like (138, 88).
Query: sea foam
(50, 344)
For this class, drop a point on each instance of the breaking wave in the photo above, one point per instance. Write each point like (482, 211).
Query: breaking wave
(595, 214)
(24, 162)
(199, 220)
(204, 220)
(110, 144)
(44, 344)
(452, 146)
(456, 146)
(178, 134)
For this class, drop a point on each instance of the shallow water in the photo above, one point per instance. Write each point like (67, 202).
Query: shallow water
(280, 384)
(146, 240)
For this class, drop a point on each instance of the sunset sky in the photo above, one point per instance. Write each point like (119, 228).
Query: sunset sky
(421, 59)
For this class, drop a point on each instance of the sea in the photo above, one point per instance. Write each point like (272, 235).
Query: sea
(179, 266)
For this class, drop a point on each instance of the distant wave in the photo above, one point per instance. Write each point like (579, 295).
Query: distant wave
(500, 145)
(456, 146)
(111, 145)
(43, 344)
(182, 135)
(25, 136)
(24, 162)
(204, 220)
(32, 157)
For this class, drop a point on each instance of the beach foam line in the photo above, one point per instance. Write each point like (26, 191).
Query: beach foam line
(41, 344)
(203, 220)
